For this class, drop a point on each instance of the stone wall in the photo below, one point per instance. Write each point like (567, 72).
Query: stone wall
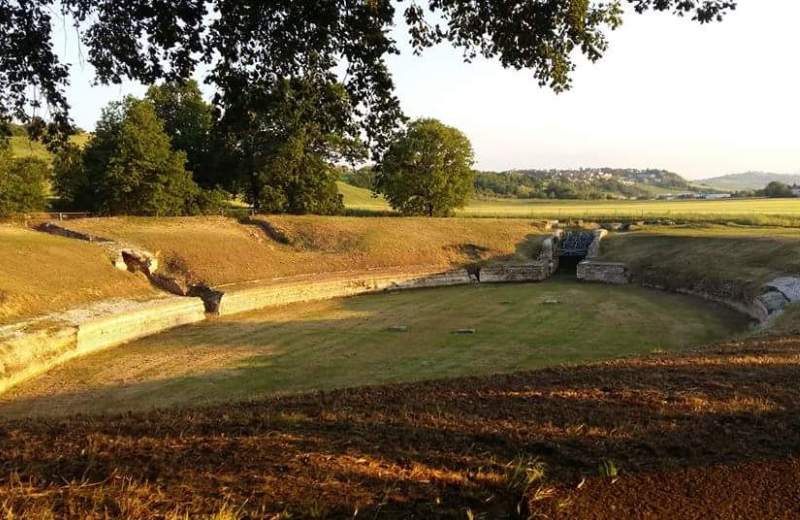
(594, 247)
(25, 354)
(242, 298)
(774, 296)
(138, 321)
(534, 271)
(528, 272)
(31, 348)
(604, 272)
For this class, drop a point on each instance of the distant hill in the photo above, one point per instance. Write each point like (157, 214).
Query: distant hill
(748, 180)
(583, 183)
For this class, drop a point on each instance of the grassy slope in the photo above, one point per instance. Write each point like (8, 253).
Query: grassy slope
(218, 251)
(708, 254)
(742, 211)
(21, 146)
(41, 273)
(361, 199)
(748, 180)
(346, 343)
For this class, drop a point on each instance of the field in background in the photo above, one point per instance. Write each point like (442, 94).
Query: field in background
(348, 343)
(21, 146)
(41, 273)
(779, 212)
(216, 250)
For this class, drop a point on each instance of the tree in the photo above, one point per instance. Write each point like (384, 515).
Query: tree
(128, 167)
(188, 121)
(266, 42)
(283, 143)
(22, 183)
(71, 181)
(363, 177)
(776, 189)
(427, 170)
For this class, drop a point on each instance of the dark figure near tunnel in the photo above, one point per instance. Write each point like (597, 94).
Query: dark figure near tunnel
(572, 249)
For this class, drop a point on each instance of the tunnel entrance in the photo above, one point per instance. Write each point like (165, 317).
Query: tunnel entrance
(568, 265)
(572, 249)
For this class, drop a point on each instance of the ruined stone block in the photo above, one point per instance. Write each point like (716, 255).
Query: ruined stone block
(603, 272)
(529, 272)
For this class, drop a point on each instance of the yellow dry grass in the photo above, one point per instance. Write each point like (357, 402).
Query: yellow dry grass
(41, 273)
(217, 250)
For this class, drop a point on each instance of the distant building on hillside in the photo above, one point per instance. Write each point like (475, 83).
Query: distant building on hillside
(714, 196)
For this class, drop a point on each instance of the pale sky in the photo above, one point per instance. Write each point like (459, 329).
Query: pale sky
(698, 100)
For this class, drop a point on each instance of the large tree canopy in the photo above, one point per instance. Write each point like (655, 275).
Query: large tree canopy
(264, 42)
(281, 143)
(127, 167)
(427, 170)
(189, 123)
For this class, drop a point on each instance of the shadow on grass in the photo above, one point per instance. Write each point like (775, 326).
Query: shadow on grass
(419, 450)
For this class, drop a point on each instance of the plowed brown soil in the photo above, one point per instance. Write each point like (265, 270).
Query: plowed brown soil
(709, 434)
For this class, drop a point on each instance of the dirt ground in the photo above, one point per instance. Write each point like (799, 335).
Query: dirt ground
(710, 434)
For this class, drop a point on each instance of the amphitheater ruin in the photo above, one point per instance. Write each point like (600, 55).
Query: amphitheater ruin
(34, 346)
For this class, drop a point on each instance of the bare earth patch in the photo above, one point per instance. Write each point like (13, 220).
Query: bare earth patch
(706, 434)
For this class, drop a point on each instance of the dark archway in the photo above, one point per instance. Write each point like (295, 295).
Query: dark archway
(572, 249)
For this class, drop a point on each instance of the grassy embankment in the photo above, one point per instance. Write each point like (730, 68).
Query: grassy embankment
(42, 273)
(767, 212)
(217, 251)
(349, 343)
(716, 254)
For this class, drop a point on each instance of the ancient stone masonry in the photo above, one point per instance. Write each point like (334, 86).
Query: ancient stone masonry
(246, 297)
(33, 347)
(615, 273)
(591, 270)
(530, 272)
(779, 293)
(123, 257)
(536, 270)
(594, 247)
(128, 258)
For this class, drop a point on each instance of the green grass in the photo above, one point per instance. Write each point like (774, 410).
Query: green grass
(361, 199)
(777, 212)
(22, 146)
(347, 343)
